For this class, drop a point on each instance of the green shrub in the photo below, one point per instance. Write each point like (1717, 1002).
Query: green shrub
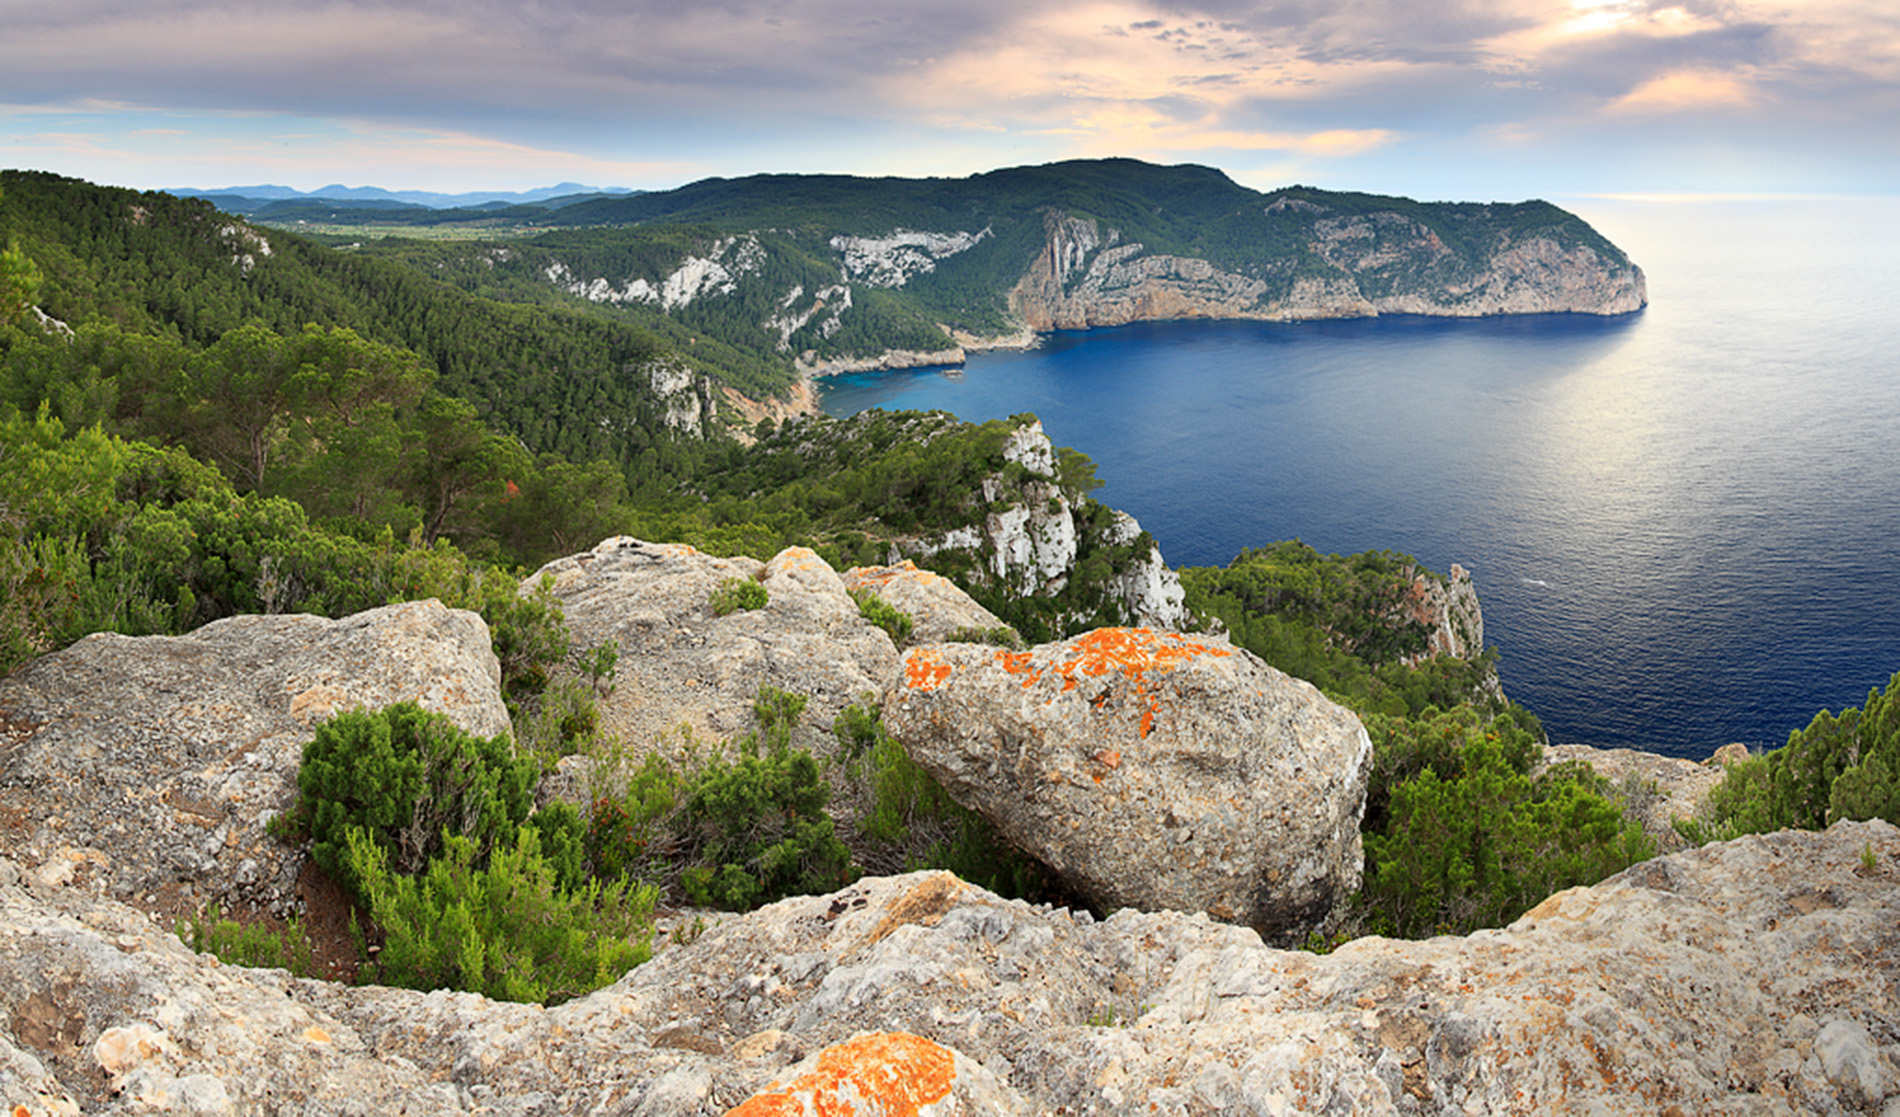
(508, 930)
(1845, 767)
(894, 621)
(1465, 838)
(1001, 636)
(405, 777)
(903, 796)
(628, 820)
(248, 944)
(757, 824)
(735, 594)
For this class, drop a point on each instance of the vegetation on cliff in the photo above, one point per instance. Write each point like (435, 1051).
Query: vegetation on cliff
(1844, 766)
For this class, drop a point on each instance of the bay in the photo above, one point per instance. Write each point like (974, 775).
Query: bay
(1684, 524)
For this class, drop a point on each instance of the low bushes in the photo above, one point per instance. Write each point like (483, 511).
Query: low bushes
(432, 831)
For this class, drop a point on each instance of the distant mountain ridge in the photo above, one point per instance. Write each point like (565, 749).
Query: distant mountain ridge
(248, 199)
(827, 273)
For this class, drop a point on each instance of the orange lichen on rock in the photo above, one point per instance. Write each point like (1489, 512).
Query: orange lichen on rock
(887, 1074)
(860, 576)
(1134, 653)
(922, 671)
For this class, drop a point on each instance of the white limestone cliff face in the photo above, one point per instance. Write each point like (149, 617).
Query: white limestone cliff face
(684, 396)
(809, 363)
(246, 245)
(716, 273)
(895, 260)
(1154, 593)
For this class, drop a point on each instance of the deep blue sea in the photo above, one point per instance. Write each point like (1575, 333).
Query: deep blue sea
(1684, 524)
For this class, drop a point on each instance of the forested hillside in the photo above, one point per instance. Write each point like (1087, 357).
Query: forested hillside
(819, 270)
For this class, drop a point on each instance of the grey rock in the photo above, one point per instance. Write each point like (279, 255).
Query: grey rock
(1150, 770)
(936, 606)
(150, 766)
(680, 665)
(1754, 976)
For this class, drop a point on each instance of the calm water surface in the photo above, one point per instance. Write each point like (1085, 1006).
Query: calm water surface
(1684, 524)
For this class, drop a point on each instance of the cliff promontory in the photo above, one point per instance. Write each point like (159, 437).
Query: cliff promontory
(824, 274)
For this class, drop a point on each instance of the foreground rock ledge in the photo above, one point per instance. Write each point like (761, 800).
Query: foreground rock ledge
(1150, 770)
(1756, 976)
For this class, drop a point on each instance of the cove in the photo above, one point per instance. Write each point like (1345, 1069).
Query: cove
(1683, 523)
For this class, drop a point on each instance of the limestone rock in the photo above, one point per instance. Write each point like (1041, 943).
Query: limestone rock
(151, 765)
(682, 665)
(937, 606)
(1149, 770)
(1754, 976)
(1382, 262)
(1153, 593)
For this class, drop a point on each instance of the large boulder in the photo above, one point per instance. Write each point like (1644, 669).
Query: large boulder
(938, 608)
(151, 765)
(1754, 976)
(1150, 770)
(682, 665)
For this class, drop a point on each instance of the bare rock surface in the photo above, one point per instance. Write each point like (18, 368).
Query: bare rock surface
(681, 665)
(151, 765)
(1149, 770)
(937, 606)
(1756, 976)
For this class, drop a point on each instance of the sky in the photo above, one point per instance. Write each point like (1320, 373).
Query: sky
(1440, 99)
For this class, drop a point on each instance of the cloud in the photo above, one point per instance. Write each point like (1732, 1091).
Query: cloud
(956, 85)
(1684, 90)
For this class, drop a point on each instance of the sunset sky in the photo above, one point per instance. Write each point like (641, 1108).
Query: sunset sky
(1479, 99)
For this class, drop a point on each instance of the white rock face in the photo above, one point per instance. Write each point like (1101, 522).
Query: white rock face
(716, 273)
(895, 260)
(678, 389)
(1030, 545)
(795, 313)
(1385, 263)
(1154, 593)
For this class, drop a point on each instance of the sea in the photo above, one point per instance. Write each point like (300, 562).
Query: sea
(1683, 524)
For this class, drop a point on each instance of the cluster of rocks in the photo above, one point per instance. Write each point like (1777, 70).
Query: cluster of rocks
(1173, 777)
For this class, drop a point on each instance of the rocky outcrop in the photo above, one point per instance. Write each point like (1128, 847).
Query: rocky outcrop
(810, 364)
(1033, 534)
(1448, 609)
(894, 260)
(1153, 593)
(682, 665)
(936, 606)
(1754, 976)
(1149, 770)
(684, 397)
(150, 766)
